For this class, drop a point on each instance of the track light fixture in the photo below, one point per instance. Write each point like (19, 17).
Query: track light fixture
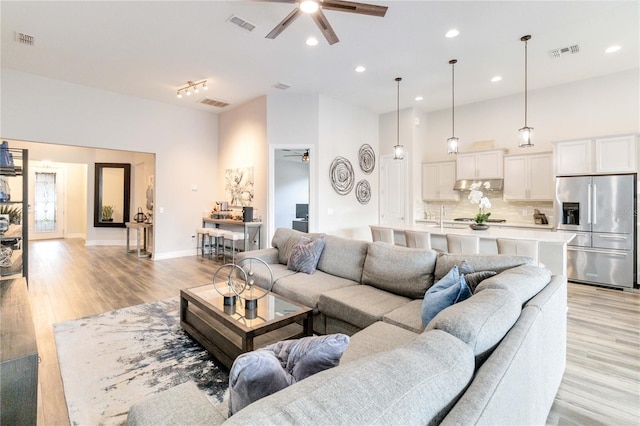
(524, 134)
(192, 87)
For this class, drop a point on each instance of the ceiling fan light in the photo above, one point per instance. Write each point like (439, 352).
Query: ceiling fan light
(309, 6)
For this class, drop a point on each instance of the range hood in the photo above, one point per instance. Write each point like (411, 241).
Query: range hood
(465, 184)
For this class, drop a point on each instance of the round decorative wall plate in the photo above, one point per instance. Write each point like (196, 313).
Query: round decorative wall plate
(363, 191)
(367, 158)
(341, 175)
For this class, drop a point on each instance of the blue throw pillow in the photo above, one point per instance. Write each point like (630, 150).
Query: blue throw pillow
(451, 289)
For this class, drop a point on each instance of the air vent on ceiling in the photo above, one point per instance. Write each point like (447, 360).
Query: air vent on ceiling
(281, 86)
(562, 51)
(245, 25)
(23, 38)
(214, 102)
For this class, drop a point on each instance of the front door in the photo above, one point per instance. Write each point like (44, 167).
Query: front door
(46, 202)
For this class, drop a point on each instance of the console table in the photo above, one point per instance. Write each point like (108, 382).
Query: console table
(252, 230)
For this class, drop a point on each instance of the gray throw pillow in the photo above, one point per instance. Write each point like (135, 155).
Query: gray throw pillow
(475, 278)
(305, 255)
(451, 289)
(260, 373)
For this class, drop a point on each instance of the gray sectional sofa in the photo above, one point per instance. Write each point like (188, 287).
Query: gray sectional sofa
(495, 358)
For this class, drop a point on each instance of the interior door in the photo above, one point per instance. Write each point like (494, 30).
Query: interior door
(393, 191)
(46, 201)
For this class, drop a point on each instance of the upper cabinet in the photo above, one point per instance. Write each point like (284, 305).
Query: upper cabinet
(480, 165)
(438, 180)
(597, 156)
(529, 177)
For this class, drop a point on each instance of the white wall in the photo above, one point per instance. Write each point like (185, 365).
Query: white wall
(598, 106)
(343, 130)
(185, 141)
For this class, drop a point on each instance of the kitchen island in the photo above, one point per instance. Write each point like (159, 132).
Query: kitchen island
(552, 250)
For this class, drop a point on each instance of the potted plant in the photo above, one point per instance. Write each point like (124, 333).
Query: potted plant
(476, 196)
(14, 213)
(107, 213)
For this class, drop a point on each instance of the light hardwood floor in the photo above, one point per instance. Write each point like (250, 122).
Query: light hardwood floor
(69, 280)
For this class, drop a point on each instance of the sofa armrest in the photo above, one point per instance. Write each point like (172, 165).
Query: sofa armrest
(269, 255)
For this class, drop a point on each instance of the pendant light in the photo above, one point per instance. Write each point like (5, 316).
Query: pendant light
(398, 150)
(524, 134)
(452, 142)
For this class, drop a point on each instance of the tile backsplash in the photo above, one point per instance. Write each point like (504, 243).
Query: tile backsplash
(511, 211)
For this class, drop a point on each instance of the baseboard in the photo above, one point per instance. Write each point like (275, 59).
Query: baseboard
(79, 235)
(105, 243)
(175, 254)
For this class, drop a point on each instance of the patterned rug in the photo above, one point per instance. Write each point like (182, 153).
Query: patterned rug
(113, 360)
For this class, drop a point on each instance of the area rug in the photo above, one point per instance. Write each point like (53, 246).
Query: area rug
(113, 360)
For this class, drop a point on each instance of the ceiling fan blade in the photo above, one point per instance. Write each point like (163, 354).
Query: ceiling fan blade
(354, 7)
(321, 21)
(284, 23)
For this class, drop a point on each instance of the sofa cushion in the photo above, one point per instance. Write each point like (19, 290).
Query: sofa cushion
(360, 305)
(305, 254)
(407, 316)
(403, 271)
(343, 257)
(475, 278)
(306, 289)
(261, 275)
(480, 321)
(260, 373)
(378, 337)
(479, 262)
(409, 385)
(451, 289)
(524, 281)
(284, 239)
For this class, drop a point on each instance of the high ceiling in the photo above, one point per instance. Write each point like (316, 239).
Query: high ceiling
(149, 49)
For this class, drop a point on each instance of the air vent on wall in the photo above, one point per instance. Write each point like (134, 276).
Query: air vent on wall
(214, 102)
(241, 23)
(23, 38)
(562, 51)
(281, 86)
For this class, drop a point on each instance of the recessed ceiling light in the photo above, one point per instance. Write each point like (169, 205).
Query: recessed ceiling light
(360, 68)
(612, 49)
(452, 33)
(312, 41)
(496, 79)
(419, 98)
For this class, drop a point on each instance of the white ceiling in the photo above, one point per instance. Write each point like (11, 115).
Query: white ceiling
(149, 49)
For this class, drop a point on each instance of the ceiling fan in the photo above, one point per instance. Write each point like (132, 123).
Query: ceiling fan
(315, 7)
(304, 156)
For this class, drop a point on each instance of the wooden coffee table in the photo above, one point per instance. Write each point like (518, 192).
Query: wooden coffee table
(228, 331)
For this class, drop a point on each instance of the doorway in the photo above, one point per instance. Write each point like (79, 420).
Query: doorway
(393, 191)
(47, 202)
(290, 188)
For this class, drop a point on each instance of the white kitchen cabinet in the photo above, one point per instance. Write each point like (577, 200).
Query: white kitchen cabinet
(616, 154)
(438, 180)
(529, 177)
(480, 165)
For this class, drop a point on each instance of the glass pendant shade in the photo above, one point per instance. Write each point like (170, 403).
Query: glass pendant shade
(524, 137)
(398, 152)
(452, 145)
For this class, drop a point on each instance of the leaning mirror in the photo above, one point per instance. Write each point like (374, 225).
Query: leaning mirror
(112, 193)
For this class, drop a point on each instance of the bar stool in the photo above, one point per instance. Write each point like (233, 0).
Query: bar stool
(515, 247)
(232, 237)
(379, 233)
(418, 239)
(463, 244)
(201, 234)
(216, 242)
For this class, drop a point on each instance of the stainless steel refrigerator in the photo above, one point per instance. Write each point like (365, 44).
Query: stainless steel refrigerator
(601, 210)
